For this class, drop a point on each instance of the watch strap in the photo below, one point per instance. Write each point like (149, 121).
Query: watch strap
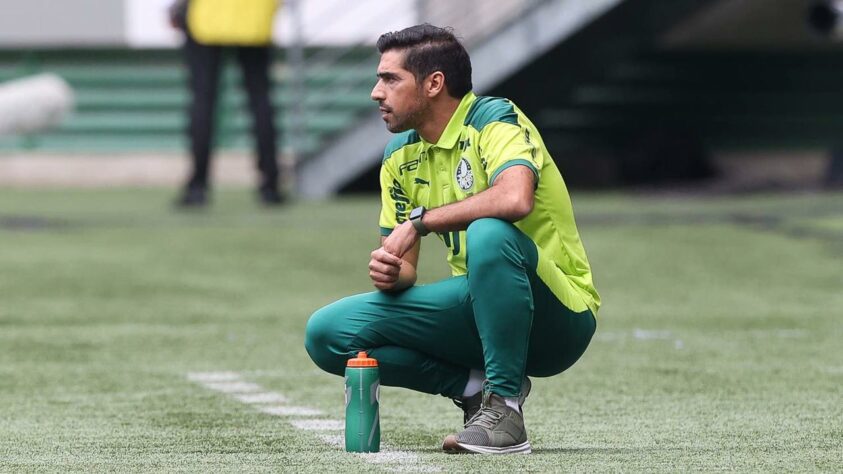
(416, 216)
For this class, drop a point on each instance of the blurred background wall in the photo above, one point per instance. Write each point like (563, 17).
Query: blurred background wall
(143, 23)
(67, 22)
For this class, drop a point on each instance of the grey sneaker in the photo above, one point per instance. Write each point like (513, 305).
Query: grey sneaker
(471, 405)
(495, 429)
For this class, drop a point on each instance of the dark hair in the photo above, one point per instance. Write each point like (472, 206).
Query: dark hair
(430, 49)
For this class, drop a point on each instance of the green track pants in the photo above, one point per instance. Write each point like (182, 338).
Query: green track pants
(500, 318)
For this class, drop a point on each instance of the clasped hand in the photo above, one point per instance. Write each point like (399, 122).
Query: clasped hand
(385, 265)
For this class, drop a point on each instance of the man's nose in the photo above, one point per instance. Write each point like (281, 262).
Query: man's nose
(377, 93)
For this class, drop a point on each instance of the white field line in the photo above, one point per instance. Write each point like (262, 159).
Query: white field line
(208, 377)
(233, 387)
(332, 439)
(327, 430)
(645, 335)
(259, 398)
(289, 411)
(640, 335)
(318, 425)
(648, 335)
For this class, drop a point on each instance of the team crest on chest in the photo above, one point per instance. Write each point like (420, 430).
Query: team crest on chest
(464, 176)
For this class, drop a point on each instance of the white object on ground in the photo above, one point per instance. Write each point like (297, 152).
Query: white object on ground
(33, 104)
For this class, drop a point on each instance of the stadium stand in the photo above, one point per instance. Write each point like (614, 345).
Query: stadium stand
(728, 99)
(134, 100)
(620, 92)
(594, 76)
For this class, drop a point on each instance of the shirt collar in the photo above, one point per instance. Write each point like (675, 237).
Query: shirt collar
(453, 130)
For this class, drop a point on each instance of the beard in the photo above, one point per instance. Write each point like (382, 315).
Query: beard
(410, 119)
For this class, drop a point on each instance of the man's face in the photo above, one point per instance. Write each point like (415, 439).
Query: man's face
(402, 103)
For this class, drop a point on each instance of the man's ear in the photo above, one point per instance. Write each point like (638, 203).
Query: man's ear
(434, 84)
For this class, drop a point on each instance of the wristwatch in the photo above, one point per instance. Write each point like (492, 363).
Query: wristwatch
(416, 219)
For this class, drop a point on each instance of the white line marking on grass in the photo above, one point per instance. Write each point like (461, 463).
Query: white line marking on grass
(646, 335)
(256, 398)
(318, 425)
(234, 387)
(608, 336)
(640, 335)
(398, 461)
(389, 457)
(209, 377)
(333, 440)
(290, 411)
(273, 403)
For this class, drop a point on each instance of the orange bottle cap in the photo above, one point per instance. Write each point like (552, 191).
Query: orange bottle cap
(362, 360)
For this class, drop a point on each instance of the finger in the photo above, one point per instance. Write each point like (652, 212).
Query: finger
(384, 286)
(386, 274)
(382, 278)
(384, 268)
(390, 276)
(394, 251)
(390, 250)
(389, 257)
(383, 256)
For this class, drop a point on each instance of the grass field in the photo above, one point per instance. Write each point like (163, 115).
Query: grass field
(718, 346)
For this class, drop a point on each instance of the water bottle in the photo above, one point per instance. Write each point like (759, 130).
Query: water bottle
(362, 394)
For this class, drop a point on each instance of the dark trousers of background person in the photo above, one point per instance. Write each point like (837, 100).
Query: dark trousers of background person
(204, 64)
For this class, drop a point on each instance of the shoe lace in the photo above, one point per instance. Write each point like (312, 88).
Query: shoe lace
(486, 417)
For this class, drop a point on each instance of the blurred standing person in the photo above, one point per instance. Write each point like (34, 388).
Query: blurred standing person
(211, 26)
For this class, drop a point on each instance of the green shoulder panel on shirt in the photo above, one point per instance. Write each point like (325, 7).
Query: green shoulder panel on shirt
(400, 141)
(486, 110)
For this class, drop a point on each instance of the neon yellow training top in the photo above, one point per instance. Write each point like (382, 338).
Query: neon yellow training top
(485, 136)
(231, 22)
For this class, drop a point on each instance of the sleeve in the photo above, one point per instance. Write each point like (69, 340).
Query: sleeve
(395, 205)
(504, 145)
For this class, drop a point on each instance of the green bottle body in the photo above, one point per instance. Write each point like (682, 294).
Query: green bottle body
(362, 420)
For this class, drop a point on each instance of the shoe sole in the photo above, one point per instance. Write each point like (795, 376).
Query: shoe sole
(452, 446)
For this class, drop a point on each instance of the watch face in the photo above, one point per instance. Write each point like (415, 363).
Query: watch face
(415, 213)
